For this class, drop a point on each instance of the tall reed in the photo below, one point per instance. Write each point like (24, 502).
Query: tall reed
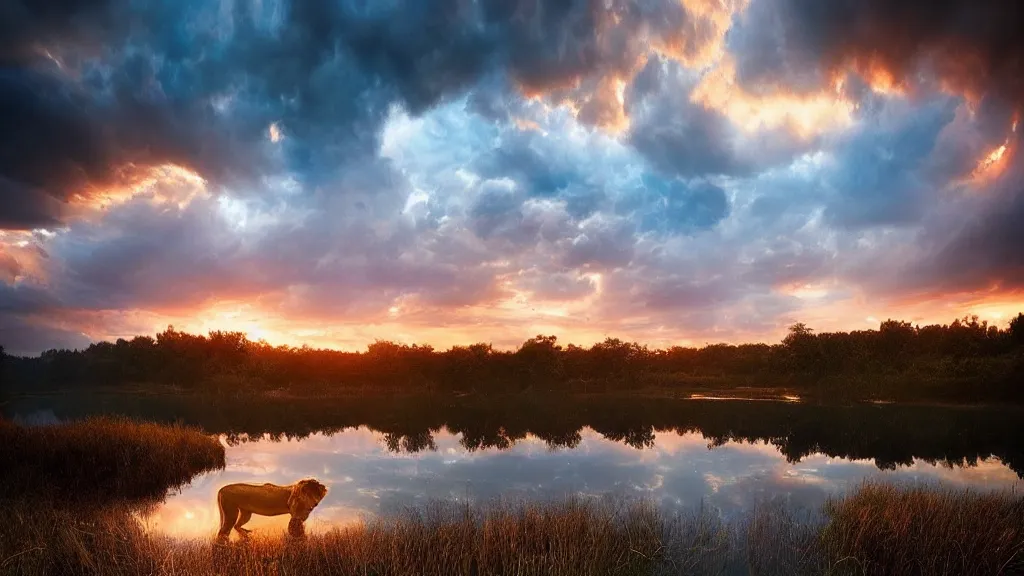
(102, 459)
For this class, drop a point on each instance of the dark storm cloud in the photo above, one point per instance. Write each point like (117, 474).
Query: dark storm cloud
(973, 244)
(19, 336)
(975, 46)
(27, 25)
(428, 49)
(494, 98)
(25, 298)
(198, 83)
(61, 137)
(764, 60)
(21, 305)
(24, 208)
(190, 85)
(988, 251)
(552, 43)
(50, 148)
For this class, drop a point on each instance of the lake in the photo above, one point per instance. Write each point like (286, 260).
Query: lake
(381, 456)
(365, 478)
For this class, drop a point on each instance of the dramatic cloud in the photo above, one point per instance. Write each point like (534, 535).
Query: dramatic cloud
(881, 175)
(95, 87)
(678, 136)
(444, 171)
(973, 47)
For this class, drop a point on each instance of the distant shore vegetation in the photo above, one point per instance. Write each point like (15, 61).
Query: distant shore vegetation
(966, 360)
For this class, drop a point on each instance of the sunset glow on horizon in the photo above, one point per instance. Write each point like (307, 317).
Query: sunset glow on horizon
(684, 172)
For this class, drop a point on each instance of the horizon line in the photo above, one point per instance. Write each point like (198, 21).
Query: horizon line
(967, 318)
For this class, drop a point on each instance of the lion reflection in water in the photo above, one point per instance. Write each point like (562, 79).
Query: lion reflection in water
(238, 502)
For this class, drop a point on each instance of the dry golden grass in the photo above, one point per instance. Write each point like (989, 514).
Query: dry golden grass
(102, 459)
(573, 537)
(886, 529)
(877, 530)
(568, 538)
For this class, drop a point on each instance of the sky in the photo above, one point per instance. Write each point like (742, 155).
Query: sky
(457, 171)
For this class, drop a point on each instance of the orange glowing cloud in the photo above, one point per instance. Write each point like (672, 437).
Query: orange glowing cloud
(994, 158)
(995, 162)
(274, 133)
(166, 184)
(605, 106)
(526, 124)
(880, 78)
(803, 115)
(597, 101)
(21, 256)
(805, 291)
(702, 44)
(598, 98)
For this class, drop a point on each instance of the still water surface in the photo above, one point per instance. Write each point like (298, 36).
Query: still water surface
(367, 478)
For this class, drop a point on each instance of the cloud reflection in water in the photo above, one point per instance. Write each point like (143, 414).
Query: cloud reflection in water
(367, 479)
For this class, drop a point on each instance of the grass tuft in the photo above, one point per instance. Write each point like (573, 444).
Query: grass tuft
(887, 529)
(100, 460)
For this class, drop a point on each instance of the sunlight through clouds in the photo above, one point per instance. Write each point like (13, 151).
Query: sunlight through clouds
(670, 172)
(804, 115)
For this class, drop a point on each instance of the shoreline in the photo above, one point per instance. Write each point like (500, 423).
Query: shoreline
(735, 394)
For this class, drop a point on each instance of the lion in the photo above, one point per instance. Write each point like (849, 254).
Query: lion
(238, 502)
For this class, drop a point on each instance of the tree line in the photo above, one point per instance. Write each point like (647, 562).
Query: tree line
(966, 358)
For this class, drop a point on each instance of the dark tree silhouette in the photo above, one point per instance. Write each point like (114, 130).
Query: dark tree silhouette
(1017, 329)
(967, 359)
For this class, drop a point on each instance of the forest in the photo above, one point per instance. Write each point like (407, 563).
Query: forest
(967, 359)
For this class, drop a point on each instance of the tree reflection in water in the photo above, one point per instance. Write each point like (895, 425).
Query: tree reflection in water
(890, 435)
